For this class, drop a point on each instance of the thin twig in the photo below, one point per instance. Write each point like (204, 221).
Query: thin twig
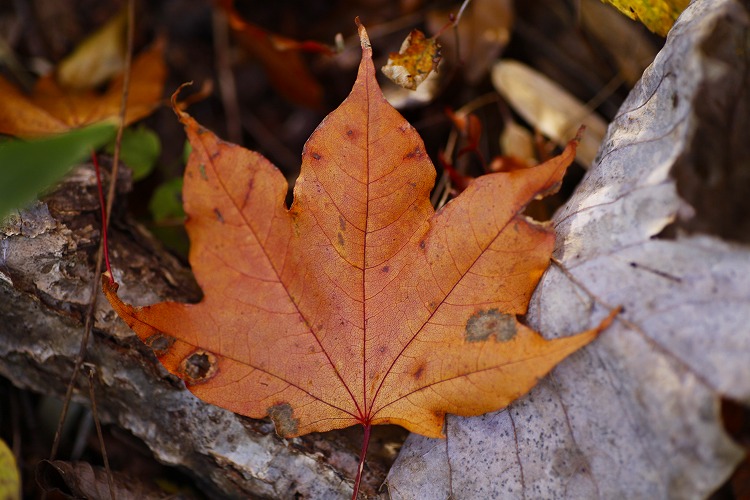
(92, 396)
(227, 87)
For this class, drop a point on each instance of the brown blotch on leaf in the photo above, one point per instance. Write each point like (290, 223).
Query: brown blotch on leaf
(483, 324)
(316, 156)
(419, 372)
(342, 223)
(385, 269)
(341, 238)
(160, 343)
(219, 217)
(285, 423)
(416, 153)
(199, 367)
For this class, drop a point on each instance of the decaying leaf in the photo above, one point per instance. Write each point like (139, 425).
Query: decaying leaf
(416, 59)
(656, 15)
(359, 304)
(638, 413)
(548, 107)
(280, 57)
(52, 109)
(98, 58)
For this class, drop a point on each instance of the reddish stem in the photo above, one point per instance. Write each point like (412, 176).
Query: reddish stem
(103, 205)
(365, 445)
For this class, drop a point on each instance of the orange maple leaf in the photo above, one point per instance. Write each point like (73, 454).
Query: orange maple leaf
(52, 109)
(359, 304)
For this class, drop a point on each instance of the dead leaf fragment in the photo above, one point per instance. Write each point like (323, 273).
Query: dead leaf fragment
(355, 305)
(416, 59)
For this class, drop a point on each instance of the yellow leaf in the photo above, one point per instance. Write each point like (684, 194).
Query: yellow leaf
(656, 15)
(98, 58)
(10, 483)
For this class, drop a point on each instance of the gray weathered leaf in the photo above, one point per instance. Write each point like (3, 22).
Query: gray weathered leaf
(637, 413)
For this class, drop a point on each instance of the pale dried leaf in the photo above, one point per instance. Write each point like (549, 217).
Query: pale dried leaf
(548, 107)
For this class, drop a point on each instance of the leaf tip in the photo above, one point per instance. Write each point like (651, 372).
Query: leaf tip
(364, 40)
(176, 106)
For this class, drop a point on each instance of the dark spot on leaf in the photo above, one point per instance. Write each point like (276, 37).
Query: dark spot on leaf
(385, 269)
(413, 184)
(214, 155)
(199, 367)
(160, 343)
(342, 223)
(341, 239)
(316, 156)
(416, 153)
(675, 99)
(219, 217)
(419, 372)
(483, 324)
(350, 132)
(202, 169)
(281, 414)
(421, 244)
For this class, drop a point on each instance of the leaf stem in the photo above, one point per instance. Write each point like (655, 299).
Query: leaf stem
(365, 445)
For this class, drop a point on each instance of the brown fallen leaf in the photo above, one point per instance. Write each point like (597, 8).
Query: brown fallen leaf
(51, 108)
(412, 64)
(359, 304)
(280, 57)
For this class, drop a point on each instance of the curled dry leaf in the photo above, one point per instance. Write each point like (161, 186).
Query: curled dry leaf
(418, 57)
(359, 304)
(52, 109)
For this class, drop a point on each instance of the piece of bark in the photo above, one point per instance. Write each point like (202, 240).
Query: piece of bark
(47, 260)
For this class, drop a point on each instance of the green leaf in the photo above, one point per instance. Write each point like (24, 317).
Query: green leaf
(140, 149)
(10, 481)
(166, 202)
(29, 167)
